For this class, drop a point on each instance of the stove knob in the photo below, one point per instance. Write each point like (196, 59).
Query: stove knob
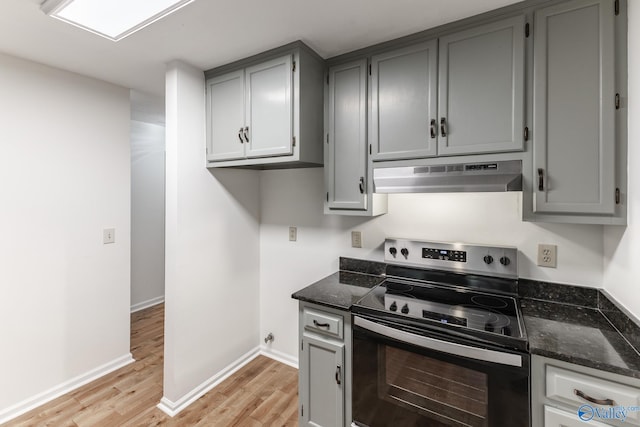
(393, 251)
(404, 252)
(505, 261)
(393, 306)
(488, 259)
(405, 309)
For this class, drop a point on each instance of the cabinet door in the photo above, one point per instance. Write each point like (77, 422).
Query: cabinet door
(323, 382)
(404, 102)
(481, 89)
(573, 122)
(225, 117)
(269, 108)
(558, 418)
(347, 146)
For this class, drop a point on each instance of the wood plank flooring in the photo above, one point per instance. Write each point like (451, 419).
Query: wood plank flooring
(262, 393)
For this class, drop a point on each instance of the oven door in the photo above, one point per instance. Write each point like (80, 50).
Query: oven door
(404, 378)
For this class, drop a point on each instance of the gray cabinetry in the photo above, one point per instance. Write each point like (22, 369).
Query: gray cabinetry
(266, 111)
(347, 171)
(325, 366)
(481, 89)
(574, 106)
(404, 102)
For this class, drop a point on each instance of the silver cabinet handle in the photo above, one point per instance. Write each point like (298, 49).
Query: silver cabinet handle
(603, 402)
(361, 185)
(246, 134)
(540, 179)
(338, 375)
(433, 129)
(240, 136)
(443, 127)
(461, 350)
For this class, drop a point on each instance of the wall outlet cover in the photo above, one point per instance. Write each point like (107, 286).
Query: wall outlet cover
(548, 255)
(108, 235)
(356, 239)
(293, 234)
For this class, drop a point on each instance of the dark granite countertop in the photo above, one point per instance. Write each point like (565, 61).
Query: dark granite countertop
(580, 335)
(339, 290)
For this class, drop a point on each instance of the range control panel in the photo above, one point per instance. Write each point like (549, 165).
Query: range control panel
(444, 254)
(499, 261)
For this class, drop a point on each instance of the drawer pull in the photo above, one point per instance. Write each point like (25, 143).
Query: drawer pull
(338, 375)
(603, 402)
(320, 325)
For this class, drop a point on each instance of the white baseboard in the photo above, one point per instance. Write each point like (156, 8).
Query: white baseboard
(173, 408)
(279, 356)
(64, 388)
(146, 304)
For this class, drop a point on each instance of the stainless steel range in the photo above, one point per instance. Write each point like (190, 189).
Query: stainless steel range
(441, 341)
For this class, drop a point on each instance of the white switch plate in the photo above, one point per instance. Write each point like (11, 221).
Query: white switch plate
(108, 235)
(293, 234)
(547, 255)
(356, 239)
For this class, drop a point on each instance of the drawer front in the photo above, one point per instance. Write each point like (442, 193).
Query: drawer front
(323, 322)
(578, 389)
(557, 418)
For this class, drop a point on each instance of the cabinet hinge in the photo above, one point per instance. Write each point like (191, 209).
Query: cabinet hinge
(617, 101)
(369, 69)
(526, 29)
(293, 141)
(616, 7)
(293, 66)
(617, 196)
(526, 133)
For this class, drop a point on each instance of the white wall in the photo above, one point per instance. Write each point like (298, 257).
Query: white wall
(622, 244)
(294, 197)
(147, 214)
(64, 176)
(212, 253)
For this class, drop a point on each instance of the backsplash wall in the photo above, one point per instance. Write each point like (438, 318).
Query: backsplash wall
(294, 198)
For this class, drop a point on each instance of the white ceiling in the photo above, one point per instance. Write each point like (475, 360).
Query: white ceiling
(208, 33)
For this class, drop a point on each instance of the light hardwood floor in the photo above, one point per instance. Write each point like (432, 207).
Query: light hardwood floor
(262, 393)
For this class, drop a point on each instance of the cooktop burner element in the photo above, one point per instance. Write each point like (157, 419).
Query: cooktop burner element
(452, 289)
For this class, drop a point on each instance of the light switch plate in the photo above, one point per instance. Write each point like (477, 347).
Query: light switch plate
(293, 234)
(356, 239)
(108, 235)
(547, 255)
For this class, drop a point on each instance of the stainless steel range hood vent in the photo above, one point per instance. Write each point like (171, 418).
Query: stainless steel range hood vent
(460, 177)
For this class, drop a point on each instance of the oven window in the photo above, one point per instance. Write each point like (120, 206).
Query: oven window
(450, 393)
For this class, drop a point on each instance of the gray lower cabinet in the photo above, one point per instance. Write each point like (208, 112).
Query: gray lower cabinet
(266, 110)
(568, 395)
(574, 131)
(325, 367)
(347, 171)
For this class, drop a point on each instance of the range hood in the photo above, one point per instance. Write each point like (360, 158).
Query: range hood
(460, 177)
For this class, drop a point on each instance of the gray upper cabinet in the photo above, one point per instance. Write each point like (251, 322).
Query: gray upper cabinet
(481, 89)
(269, 108)
(573, 123)
(225, 122)
(404, 102)
(346, 151)
(266, 111)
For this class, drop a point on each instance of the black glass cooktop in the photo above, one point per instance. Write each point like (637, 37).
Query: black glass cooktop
(493, 317)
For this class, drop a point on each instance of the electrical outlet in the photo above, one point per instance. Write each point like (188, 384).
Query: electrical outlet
(108, 235)
(293, 234)
(547, 255)
(356, 239)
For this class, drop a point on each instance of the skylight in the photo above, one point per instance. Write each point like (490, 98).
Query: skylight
(113, 19)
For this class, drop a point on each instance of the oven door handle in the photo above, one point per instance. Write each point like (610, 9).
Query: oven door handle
(461, 350)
